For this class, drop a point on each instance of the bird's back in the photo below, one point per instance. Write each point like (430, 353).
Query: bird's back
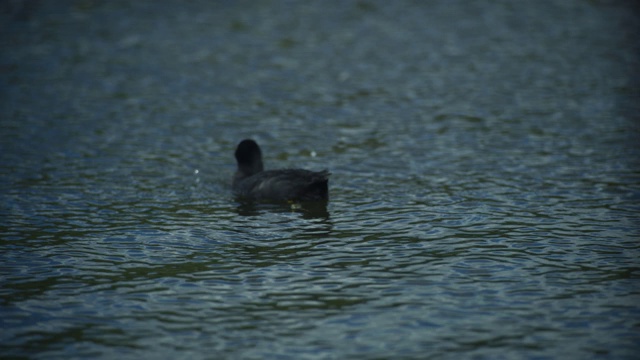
(285, 184)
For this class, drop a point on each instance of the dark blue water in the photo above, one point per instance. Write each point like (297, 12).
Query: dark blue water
(485, 195)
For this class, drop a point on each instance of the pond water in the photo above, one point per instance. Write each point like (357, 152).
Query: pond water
(485, 195)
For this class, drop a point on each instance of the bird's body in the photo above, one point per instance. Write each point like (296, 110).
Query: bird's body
(252, 182)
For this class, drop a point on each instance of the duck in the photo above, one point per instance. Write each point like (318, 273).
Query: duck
(252, 182)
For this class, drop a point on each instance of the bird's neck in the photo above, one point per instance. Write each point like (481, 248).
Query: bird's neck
(246, 170)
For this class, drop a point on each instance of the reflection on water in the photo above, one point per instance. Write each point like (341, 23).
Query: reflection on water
(484, 196)
(308, 210)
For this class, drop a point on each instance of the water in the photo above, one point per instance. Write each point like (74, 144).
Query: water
(484, 197)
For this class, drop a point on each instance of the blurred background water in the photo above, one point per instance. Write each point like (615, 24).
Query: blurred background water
(484, 199)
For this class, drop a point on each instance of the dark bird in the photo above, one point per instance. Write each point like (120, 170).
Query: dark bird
(251, 181)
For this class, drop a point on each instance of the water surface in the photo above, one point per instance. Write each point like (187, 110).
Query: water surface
(484, 198)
